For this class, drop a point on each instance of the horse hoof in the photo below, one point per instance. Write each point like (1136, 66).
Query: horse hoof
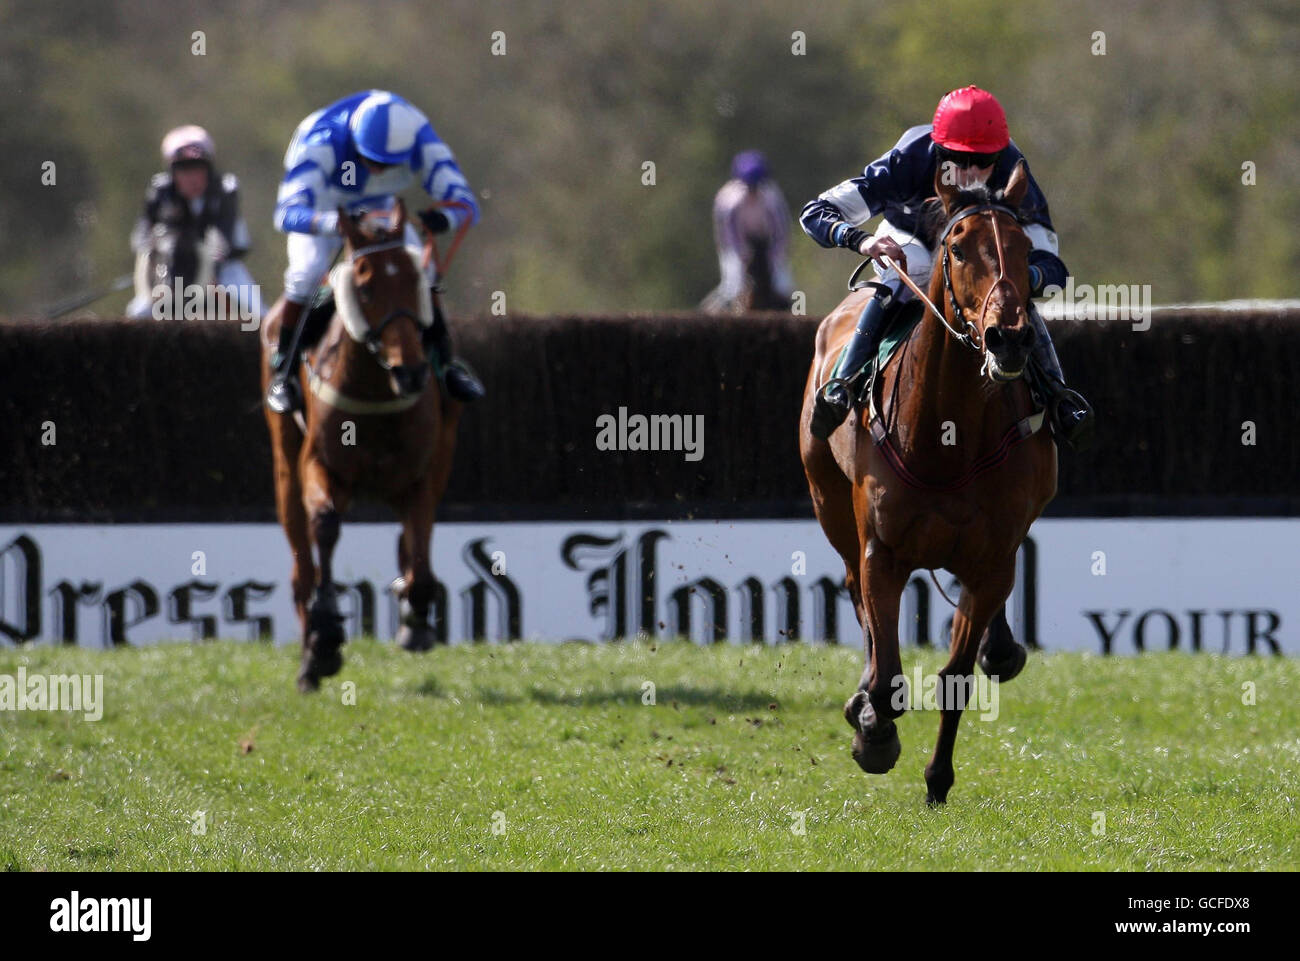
(938, 782)
(328, 663)
(853, 709)
(415, 639)
(321, 658)
(878, 753)
(308, 683)
(1005, 668)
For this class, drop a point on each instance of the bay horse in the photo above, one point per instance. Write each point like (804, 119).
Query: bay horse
(758, 293)
(374, 425)
(950, 475)
(178, 257)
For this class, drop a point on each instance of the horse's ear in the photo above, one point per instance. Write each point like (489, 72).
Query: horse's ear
(401, 216)
(1017, 186)
(945, 184)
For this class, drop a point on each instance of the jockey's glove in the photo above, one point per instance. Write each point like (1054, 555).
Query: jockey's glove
(325, 222)
(217, 246)
(1035, 281)
(434, 220)
(848, 236)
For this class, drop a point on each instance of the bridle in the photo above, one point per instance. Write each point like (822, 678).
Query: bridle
(972, 336)
(373, 342)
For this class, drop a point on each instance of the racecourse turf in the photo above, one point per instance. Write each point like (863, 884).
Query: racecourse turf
(534, 756)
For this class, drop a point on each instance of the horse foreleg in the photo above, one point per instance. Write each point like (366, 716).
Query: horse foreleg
(415, 632)
(322, 504)
(882, 695)
(286, 447)
(445, 448)
(975, 610)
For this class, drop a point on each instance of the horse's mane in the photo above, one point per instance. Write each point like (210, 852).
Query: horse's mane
(934, 218)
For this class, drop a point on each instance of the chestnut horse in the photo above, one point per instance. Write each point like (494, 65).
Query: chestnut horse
(375, 425)
(759, 292)
(952, 477)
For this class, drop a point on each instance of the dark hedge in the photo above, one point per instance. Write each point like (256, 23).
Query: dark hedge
(161, 421)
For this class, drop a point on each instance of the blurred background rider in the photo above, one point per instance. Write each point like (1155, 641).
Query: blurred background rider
(751, 220)
(191, 227)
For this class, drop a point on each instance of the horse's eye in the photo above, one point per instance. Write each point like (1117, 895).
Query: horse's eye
(957, 254)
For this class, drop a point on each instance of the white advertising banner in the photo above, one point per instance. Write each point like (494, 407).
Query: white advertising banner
(1120, 586)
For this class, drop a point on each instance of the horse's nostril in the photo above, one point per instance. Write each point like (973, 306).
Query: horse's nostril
(410, 377)
(993, 338)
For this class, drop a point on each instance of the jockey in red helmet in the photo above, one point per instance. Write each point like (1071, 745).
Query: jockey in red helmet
(969, 131)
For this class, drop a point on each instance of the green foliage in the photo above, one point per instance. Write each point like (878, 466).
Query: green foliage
(558, 739)
(1140, 150)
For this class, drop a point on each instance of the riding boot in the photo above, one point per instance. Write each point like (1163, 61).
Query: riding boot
(1071, 415)
(284, 394)
(835, 399)
(455, 375)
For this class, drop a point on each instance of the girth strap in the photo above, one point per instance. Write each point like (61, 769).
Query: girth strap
(331, 395)
(1022, 430)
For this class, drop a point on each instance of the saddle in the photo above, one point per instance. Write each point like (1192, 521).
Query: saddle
(900, 321)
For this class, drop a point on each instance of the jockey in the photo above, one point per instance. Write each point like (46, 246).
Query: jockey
(359, 153)
(189, 197)
(970, 131)
(750, 209)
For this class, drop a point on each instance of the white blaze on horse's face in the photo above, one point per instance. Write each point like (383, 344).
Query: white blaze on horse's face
(968, 177)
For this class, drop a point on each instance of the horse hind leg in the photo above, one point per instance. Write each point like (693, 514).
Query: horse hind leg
(1001, 656)
(882, 694)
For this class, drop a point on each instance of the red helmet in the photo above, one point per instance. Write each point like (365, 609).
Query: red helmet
(970, 120)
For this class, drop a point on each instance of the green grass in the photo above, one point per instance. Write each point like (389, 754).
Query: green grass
(556, 738)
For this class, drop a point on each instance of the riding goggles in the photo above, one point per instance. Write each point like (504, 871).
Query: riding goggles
(961, 159)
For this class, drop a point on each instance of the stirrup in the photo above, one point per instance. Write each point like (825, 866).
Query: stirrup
(1050, 391)
(845, 382)
(1079, 436)
(284, 394)
(461, 383)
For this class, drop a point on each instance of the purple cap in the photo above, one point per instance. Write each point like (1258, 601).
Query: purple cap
(750, 166)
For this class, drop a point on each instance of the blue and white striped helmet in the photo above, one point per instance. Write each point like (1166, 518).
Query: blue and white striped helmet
(384, 128)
